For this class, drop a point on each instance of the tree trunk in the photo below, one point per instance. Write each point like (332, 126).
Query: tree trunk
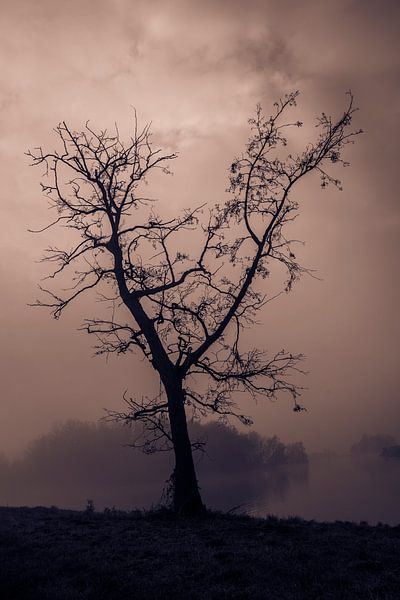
(186, 495)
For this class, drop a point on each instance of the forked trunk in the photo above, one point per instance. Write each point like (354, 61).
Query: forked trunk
(186, 495)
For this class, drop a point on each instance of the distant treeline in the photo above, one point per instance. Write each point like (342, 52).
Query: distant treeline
(79, 461)
(373, 444)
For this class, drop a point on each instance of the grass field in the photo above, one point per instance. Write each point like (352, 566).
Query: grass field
(52, 554)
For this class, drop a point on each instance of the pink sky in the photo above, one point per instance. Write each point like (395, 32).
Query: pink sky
(197, 71)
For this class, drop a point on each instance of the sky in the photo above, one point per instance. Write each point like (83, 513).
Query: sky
(197, 71)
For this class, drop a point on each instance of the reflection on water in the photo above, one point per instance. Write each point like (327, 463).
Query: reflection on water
(325, 489)
(79, 461)
(339, 488)
(244, 493)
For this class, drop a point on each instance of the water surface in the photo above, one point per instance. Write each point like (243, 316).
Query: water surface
(338, 488)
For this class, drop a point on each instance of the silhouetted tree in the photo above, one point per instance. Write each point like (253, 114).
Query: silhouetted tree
(186, 313)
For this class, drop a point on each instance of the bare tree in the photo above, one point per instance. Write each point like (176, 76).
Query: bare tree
(185, 314)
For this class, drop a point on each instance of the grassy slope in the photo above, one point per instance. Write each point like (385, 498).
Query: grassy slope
(51, 554)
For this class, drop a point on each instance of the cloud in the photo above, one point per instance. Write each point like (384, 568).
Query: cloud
(197, 70)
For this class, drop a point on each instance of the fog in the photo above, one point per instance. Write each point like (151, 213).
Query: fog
(80, 461)
(81, 464)
(197, 71)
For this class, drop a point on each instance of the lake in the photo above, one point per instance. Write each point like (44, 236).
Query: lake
(328, 488)
(336, 488)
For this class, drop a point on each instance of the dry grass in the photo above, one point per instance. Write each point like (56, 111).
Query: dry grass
(51, 554)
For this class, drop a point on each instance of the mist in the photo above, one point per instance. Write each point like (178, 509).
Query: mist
(82, 463)
(295, 491)
(210, 67)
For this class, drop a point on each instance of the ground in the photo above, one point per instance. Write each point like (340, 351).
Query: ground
(52, 554)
